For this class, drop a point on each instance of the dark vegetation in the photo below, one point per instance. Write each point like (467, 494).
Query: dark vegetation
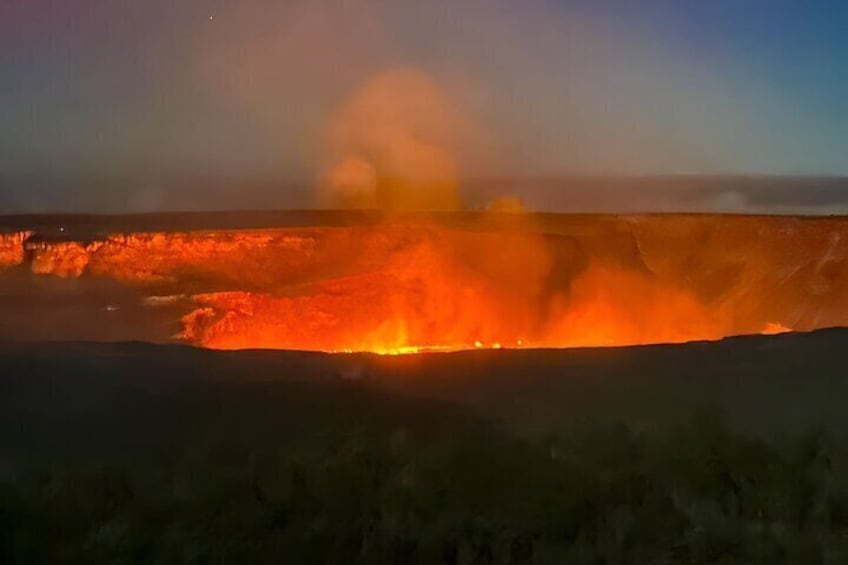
(468, 494)
(145, 454)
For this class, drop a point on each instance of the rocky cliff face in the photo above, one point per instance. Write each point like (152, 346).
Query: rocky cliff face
(12, 249)
(487, 281)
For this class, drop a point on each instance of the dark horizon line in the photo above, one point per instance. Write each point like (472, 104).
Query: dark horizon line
(9, 220)
(88, 177)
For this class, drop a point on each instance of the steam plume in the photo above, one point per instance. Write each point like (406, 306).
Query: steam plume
(393, 145)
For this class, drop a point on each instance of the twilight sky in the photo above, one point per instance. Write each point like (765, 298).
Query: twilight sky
(132, 97)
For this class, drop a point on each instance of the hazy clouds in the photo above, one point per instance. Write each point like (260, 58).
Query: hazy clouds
(245, 90)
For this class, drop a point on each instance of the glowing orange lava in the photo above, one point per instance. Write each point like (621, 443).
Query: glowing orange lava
(409, 287)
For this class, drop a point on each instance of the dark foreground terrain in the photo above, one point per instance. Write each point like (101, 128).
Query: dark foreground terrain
(727, 452)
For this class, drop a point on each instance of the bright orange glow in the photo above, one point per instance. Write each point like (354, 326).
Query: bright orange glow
(61, 259)
(773, 329)
(12, 249)
(492, 281)
(428, 304)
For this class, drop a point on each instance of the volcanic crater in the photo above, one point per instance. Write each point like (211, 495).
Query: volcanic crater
(406, 283)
